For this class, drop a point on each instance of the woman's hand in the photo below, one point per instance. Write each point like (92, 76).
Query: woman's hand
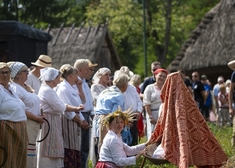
(139, 154)
(80, 107)
(40, 119)
(152, 120)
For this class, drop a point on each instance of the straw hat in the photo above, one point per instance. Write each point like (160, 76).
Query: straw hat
(90, 64)
(43, 61)
(231, 65)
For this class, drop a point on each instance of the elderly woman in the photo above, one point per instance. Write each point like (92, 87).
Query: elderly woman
(71, 122)
(13, 131)
(19, 73)
(52, 148)
(101, 80)
(152, 100)
(114, 152)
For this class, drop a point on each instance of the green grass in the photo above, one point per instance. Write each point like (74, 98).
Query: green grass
(222, 134)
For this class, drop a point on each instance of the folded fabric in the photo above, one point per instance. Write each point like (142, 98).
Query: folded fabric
(182, 130)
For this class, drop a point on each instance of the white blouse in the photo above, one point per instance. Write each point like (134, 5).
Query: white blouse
(34, 82)
(50, 102)
(96, 89)
(70, 96)
(115, 150)
(132, 99)
(11, 107)
(31, 100)
(152, 96)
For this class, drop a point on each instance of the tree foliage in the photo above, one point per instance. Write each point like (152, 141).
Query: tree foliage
(169, 22)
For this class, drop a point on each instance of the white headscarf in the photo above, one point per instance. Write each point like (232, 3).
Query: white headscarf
(99, 73)
(15, 68)
(49, 74)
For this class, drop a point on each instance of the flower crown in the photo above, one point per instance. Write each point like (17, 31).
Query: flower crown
(127, 116)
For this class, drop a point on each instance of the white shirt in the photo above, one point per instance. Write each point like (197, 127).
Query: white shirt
(34, 82)
(50, 102)
(88, 105)
(11, 107)
(115, 150)
(152, 96)
(69, 95)
(132, 99)
(31, 100)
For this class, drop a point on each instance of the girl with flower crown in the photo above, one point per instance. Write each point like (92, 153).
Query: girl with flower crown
(114, 153)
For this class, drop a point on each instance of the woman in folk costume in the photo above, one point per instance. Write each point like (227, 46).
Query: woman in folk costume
(152, 100)
(19, 74)
(182, 131)
(71, 122)
(52, 148)
(13, 132)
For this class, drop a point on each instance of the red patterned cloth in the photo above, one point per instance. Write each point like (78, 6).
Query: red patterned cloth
(182, 130)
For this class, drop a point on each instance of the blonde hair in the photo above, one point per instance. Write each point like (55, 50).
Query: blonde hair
(80, 63)
(120, 80)
(127, 116)
(67, 70)
(134, 79)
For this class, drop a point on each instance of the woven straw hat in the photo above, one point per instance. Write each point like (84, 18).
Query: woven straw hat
(231, 65)
(43, 61)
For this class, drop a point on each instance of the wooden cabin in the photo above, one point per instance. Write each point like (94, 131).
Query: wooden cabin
(21, 42)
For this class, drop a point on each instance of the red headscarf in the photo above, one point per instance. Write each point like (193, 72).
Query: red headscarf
(160, 70)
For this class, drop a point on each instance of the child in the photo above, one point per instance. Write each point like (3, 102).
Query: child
(223, 113)
(114, 152)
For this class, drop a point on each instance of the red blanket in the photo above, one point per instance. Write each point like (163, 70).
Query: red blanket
(184, 133)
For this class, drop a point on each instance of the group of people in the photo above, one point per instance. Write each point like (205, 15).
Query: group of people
(59, 108)
(53, 118)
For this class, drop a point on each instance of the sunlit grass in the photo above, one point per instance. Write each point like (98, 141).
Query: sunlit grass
(222, 134)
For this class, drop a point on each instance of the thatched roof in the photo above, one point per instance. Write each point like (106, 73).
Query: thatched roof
(211, 44)
(94, 43)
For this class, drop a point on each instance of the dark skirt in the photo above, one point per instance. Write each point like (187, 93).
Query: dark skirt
(72, 158)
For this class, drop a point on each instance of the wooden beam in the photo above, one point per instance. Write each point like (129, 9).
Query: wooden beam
(75, 38)
(58, 34)
(70, 31)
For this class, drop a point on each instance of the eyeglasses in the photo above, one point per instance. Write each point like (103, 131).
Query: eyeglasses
(5, 72)
(154, 70)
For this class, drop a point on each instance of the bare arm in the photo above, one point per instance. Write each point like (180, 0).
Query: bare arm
(81, 93)
(33, 117)
(148, 110)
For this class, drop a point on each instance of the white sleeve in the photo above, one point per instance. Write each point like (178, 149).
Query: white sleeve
(147, 96)
(116, 148)
(65, 98)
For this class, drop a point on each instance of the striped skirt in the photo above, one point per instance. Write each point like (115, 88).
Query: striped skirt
(14, 140)
(72, 143)
(33, 131)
